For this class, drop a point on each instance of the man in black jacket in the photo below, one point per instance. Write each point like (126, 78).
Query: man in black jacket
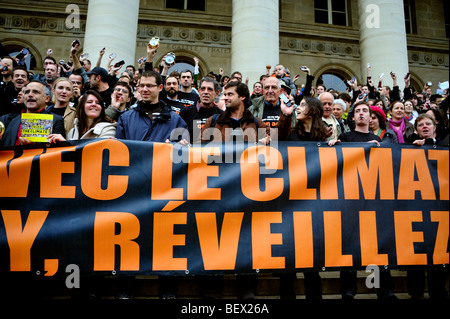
(8, 94)
(35, 102)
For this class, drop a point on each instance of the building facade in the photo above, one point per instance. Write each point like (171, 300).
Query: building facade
(334, 38)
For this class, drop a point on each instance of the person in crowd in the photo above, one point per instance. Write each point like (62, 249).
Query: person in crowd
(62, 92)
(309, 127)
(267, 107)
(394, 94)
(339, 109)
(402, 128)
(426, 134)
(7, 65)
(78, 86)
(90, 121)
(187, 94)
(224, 81)
(257, 90)
(237, 76)
(327, 100)
(120, 100)
(87, 65)
(321, 88)
(171, 90)
(442, 124)
(51, 74)
(197, 115)
(35, 100)
(98, 80)
(306, 91)
(281, 74)
(235, 118)
(361, 133)
(378, 127)
(10, 91)
(383, 104)
(426, 131)
(235, 122)
(151, 120)
(410, 113)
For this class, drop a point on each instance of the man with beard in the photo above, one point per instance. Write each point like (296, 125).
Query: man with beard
(51, 74)
(197, 114)
(187, 95)
(98, 81)
(171, 89)
(8, 96)
(235, 118)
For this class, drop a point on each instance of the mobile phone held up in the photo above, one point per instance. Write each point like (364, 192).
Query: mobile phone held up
(119, 64)
(285, 99)
(22, 54)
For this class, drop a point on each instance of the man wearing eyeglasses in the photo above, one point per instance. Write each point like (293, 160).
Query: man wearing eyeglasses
(151, 119)
(120, 99)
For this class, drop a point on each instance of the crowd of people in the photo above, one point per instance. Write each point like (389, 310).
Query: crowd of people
(149, 104)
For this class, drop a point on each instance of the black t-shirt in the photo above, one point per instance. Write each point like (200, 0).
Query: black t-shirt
(355, 136)
(175, 105)
(188, 99)
(106, 96)
(59, 111)
(236, 123)
(198, 118)
(271, 114)
(295, 136)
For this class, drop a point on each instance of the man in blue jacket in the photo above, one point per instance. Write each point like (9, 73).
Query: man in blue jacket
(151, 119)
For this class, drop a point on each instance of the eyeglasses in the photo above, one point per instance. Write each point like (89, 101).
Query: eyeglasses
(150, 86)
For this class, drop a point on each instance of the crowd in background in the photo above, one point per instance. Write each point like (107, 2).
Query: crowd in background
(148, 103)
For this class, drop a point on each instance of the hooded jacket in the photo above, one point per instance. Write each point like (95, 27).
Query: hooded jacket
(135, 124)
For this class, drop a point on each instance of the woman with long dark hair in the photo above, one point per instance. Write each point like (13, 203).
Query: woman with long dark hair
(90, 121)
(309, 127)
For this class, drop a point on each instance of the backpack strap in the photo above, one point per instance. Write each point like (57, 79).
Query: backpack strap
(214, 120)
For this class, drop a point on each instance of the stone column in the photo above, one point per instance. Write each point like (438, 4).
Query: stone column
(383, 40)
(255, 37)
(111, 24)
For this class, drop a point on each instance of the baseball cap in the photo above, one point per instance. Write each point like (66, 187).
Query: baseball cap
(285, 86)
(99, 71)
